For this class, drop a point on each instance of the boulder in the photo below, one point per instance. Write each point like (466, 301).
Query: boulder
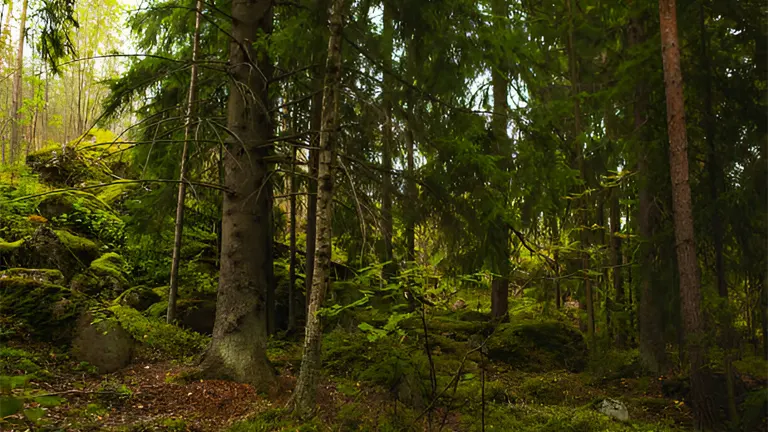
(69, 202)
(105, 276)
(139, 297)
(614, 409)
(539, 346)
(65, 166)
(49, 276)
(102, 343)
(83, 213)
(48, 310)
(197, 314)
(56, 249)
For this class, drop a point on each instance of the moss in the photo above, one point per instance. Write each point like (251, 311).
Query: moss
(116, 192)
(75, 243)
(51, 276)
(10, 247)
(166, 339)
(67, 202)
(539, 346)
(66, 166)
(109, 264)
(49, 310)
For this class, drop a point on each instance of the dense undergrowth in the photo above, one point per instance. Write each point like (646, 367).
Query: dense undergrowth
(388, 365)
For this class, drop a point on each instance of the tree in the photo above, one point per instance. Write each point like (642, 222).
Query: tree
(17, 87)
(304, 397)
(179, 227)
(238, 345)
(499, 78)
(688, 266)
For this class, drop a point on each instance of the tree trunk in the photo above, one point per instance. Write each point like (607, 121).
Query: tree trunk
(192, 97)
(388, 144)
(650, 335)
(616, 262)
(688, 266)
(292, 253)
(727, 335)
(17, 88)
(412, 192)
(238, 346)
(316, 118)
(304, 397)
(583, 217)
(499, 230)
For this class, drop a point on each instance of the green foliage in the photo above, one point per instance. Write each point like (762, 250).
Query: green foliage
(275, 420)
(166, 339)
(97, 221)
(539, 346)
(15, 395)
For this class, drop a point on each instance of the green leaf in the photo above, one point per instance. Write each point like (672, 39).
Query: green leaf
(49, 401)
(34, 414)
(9, 405)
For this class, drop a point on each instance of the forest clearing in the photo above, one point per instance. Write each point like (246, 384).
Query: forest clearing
(383, 215)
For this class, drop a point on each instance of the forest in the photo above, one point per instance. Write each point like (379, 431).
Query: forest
(383, 215)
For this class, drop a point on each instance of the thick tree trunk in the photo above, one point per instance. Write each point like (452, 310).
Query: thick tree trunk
(650, 335)
(305, 395)
(688, 266)
(238, 346)
(17, 88)
(179, 228)
(388, 144)
(499, 229)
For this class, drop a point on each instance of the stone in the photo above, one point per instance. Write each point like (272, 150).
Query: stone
(103, 344)
(458, 305)
(56, 249)
(140, 298)
(614, 409)
(539, 346)
(49, 276)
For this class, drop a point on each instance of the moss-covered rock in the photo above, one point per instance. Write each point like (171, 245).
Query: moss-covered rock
(102, 343)
(139, 297)
(166, 339)
(105, 276)
(53, 249)
(49, 311)
(85, 214)
(65, 166)
(9, 252)
(49, 276)
(117, 192)
(538, 346)
(193, 313)
(68, 202)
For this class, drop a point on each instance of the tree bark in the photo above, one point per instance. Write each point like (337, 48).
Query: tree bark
(305, 395)
(388, 144)
(179, 228)
(688, 267)
(17, 88)
(316, 118)
(238, 345)
(616, 261)
(650, 335)
(499, 230)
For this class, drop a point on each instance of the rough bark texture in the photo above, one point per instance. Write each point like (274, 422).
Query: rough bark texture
(499, 230)
(650, 335)
(179, 228)
(305, 395)
(17, 88)
(688, 267)
(238, 346)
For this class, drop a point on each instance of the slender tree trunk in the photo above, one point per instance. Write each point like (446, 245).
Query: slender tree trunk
(412, 192)
(294, 228)
(583, 218)
(304, 397)
(650, 335)
(316, 118)
(556, 258)
(17, 88)
(388, 143)
(179, 229)
(499, 229)
(239, 342)
(45, 107)
(688, 266)
(728, 336)
(618, 276)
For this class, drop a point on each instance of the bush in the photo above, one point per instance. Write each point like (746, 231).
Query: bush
(538, 346)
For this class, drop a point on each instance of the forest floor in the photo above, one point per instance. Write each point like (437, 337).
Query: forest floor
(151, 395)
